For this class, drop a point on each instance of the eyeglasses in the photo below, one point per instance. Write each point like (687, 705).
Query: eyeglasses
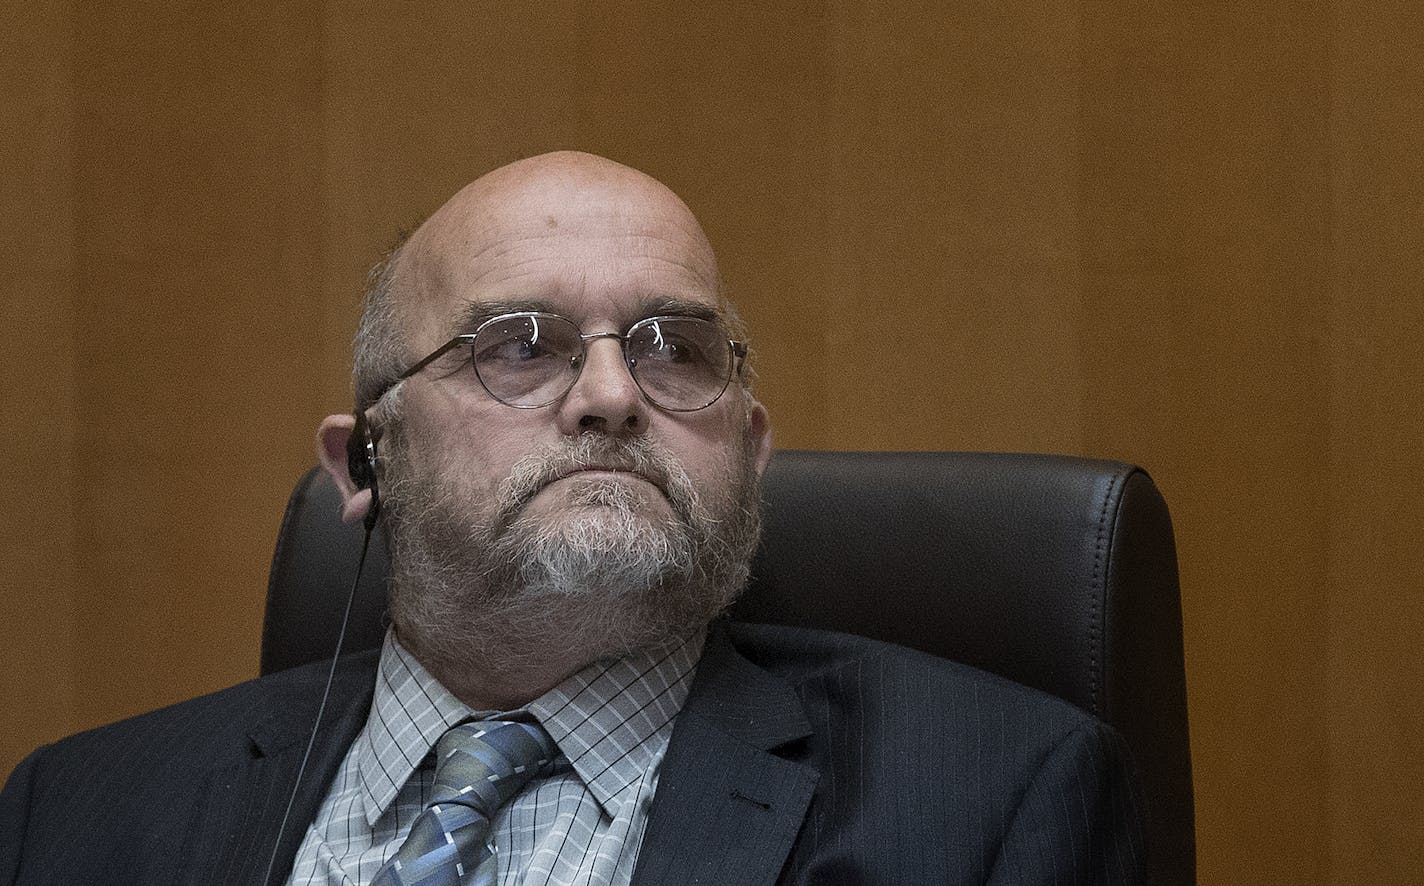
(530, 359)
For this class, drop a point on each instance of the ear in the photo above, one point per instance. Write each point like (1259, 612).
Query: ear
(759, 435)
(331, 437)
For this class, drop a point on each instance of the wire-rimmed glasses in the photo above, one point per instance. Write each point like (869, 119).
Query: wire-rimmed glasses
(531, 359)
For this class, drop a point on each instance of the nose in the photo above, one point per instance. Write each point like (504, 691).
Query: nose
(605, 398)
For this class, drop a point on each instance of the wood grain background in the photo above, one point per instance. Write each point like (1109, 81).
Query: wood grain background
(1185, 235)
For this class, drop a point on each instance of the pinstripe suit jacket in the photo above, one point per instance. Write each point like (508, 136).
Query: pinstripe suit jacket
(800, 757)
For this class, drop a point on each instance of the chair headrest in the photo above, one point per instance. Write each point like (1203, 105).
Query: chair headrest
(1012, 563)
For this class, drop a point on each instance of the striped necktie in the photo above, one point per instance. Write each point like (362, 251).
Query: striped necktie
(478, 768)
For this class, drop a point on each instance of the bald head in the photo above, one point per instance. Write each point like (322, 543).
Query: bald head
(545, 189)
(543, 228)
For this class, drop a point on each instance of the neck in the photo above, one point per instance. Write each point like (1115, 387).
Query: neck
(511, 679)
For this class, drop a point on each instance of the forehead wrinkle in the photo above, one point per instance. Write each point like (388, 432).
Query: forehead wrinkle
(503, 258)
(524, 281)
(635, 228)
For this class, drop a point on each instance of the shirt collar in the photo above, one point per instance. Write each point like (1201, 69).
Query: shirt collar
(409, 711)
(613, 718)
(610, 719)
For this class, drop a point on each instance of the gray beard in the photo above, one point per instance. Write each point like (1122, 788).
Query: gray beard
(599, 577)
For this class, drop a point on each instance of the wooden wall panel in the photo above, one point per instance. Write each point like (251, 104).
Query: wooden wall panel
(1188, 237)
(1375, 486)
(37, 370)
(1204, 207)
(196, 215)
(952, 230)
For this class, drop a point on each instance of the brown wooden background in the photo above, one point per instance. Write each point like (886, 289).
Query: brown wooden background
(1183, 234)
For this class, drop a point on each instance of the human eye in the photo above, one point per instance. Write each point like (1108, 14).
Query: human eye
(671, 349)
(515, 341)
(676, 342)
(513, 349)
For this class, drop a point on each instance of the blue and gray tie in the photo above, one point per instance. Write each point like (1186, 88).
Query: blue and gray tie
(478, 768)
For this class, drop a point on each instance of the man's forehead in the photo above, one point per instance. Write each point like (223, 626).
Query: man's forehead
(606, 261)
(582, 281)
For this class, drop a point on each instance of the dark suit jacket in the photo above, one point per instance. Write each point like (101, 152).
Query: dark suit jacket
(800, 757)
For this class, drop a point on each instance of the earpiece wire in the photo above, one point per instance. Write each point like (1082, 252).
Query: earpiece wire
(321, 708)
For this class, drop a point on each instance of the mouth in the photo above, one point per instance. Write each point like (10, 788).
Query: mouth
(603, 486)
(605, 470)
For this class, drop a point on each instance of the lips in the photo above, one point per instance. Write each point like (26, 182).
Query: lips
(607, 469)
(636, 457)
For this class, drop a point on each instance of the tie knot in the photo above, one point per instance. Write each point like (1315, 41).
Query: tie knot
(478, 768)
(483, 764)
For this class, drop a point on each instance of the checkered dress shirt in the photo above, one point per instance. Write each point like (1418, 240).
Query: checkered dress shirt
(582, 825)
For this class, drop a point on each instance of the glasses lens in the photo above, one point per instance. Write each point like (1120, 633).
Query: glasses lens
(527, 359)
(681, 363)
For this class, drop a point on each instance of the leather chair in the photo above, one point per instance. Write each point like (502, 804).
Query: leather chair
(1056, 572)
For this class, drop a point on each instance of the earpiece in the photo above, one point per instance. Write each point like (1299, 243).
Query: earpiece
(361, 464)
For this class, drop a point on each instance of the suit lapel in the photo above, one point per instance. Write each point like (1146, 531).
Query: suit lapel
(727, 810)
(249, 792)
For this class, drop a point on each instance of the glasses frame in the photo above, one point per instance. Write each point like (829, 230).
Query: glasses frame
(737, 349)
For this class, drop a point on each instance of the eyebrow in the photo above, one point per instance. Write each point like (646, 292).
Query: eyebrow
(475, 313)
(680, 307)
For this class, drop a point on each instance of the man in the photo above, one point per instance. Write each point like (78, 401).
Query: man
(554, 420)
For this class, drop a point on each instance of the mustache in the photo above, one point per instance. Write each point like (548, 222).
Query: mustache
(552, 462)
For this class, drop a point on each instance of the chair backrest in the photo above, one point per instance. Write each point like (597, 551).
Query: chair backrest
(1056, 572)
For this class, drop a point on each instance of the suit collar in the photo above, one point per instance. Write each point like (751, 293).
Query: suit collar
(249, 789)
(739, 698)
(727, 809)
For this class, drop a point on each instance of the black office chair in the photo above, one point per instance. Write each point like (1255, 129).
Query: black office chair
(1056, 572)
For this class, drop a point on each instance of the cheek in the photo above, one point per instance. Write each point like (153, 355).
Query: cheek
(712, 452)
(469, 449)
(482, 461)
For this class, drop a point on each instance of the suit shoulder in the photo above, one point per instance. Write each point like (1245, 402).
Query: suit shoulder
(931, 770)
(192, 726)
(168, 775)
(849, 668)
